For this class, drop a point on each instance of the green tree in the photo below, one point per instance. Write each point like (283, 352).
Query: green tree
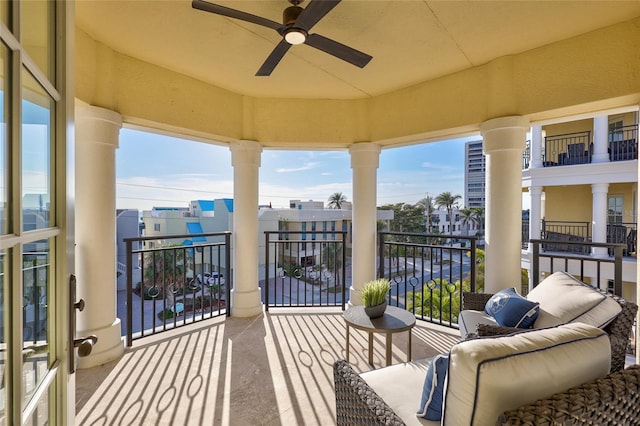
(332, 258)
(479, 213)
(448, 202)
(406, 217)
(468, 217)
(438, 300)
(428, 205)
(336, 200)
(164, 270)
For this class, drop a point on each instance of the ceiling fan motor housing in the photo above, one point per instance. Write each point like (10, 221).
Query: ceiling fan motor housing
(290, 15)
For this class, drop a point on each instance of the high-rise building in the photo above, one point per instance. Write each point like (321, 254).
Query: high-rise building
(474, 170)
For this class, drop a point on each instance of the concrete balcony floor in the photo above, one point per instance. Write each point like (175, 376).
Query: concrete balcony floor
(273, 369)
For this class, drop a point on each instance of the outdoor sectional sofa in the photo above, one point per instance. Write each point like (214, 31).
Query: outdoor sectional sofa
(567, 369)
(567, 306)
(553, 376)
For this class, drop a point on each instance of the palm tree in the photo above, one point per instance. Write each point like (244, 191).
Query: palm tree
(448, 201)
(428, 205)
(468, 217)
(336, 200)
(479, 212)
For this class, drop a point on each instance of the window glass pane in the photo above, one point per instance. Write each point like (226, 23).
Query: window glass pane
(615, 209)
(4, 141)
(41, 414)
(37, 134)
(36, 276)
(37, 36)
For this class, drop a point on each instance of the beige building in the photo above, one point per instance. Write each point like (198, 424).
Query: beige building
(581, 178)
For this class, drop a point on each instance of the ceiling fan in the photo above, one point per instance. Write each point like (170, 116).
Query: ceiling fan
(297, 22)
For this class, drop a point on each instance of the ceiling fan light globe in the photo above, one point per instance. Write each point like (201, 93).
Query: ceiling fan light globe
(295, 36)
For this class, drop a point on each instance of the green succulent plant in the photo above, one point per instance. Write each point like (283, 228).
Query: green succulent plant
(374, 292)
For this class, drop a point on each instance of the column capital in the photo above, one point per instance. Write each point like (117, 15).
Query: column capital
(599, 188)
(97, 125)
(536, 190)
(504, 133)
(245, 152)
(365, 154)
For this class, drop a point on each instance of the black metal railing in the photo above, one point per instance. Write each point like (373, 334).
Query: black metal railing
(526, 155)
(179, 284)
(428, 272)
(592, 269)
(525, 234)
(569, 148)
(35, 271)
(305, 269)
(623, 143)
(623, 233)
(565, 232)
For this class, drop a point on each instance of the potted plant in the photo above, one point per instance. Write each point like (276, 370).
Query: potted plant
(374, 297)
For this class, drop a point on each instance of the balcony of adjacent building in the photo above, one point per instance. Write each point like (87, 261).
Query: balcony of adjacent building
(578, 147)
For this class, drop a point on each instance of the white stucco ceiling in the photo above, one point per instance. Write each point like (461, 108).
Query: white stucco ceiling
(411, 41)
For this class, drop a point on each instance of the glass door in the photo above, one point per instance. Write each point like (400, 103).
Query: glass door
(33, 216)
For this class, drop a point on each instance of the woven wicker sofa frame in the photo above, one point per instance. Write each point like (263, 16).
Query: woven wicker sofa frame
(619, 330)
(611, 400)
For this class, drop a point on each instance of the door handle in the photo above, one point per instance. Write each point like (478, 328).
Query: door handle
(84, 344)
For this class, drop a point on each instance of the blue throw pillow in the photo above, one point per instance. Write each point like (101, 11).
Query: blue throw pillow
(509, 309)
(433, 388)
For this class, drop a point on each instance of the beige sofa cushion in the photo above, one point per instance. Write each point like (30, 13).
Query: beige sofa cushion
(490, 375)
(564, 299)
(468, 321)
(400, 386)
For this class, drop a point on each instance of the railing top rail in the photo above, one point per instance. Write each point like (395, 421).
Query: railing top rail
(565, 221)
(572, 134)
(418, 234)
(172, 237)
(627, 127)
(579, 243)
(286, 231)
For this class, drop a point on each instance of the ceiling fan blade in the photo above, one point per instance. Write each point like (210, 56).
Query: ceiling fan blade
(338, 50)
(273, 59)
(316, 10)
(236, 14)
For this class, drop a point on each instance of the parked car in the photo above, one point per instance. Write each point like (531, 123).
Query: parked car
(213, 278)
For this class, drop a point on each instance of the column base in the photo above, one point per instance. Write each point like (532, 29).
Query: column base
(246, 304)
(110, 346)
(354, 297)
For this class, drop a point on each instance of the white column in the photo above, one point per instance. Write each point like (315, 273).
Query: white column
(97, 132)
(599, 216)
(535, 218)
(600, 139)
(364, 162)
(503, 142)
(535, 213)
(537, 140)
(245, 296)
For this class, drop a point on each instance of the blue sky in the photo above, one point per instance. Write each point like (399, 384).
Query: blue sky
(155, 170)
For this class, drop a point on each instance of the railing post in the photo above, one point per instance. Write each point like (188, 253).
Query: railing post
(227, 265)
(344, 269)
(266, 271)
(535, 269)
(380, 254)
(617, 278)
(129, 339)
(472, 265)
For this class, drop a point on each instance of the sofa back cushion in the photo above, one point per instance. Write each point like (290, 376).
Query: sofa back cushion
(564, 299)
(488, 376)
